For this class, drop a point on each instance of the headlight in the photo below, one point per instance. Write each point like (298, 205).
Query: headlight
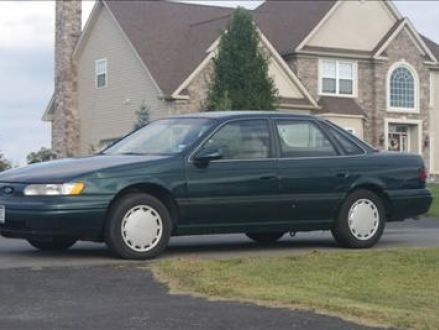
(54, 189)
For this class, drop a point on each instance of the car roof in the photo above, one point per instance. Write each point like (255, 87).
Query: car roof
(243, 114)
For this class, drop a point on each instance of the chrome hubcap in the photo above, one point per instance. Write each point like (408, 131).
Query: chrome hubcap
(142, 228)
(364, 219)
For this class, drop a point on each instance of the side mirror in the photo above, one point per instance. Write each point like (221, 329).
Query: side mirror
(208, 154)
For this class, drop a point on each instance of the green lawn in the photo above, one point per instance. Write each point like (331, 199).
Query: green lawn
(434, 211)
(392, 288)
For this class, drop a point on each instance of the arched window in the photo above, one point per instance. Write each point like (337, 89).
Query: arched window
(402, 88)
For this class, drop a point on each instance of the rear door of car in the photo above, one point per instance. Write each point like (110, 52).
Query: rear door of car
(311, 173)
(242, 187)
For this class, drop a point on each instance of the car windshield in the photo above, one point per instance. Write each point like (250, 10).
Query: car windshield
(166, 136)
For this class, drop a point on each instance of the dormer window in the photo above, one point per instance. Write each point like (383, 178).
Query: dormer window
(337, 78)
(101, 73)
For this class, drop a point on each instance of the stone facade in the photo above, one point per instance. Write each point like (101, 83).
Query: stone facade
(65, 124)
(196, 91)
(373, 87)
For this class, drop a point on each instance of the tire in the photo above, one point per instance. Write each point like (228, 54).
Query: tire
(55, 244)
(265, 237)
(361, 220)
(127, 217)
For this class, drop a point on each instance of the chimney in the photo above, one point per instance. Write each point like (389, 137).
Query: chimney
(65, 124)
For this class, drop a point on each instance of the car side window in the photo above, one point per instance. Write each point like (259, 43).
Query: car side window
(244, 139)
(300, 138)
(349, 147)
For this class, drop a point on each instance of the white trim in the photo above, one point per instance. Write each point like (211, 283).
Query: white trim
(48, 113)
(337, 63)
(287, 69)
(339, 115)
(87, 28)
(403, 121)
(317, 27)
(389, 4)
(97, 63)
(176, 94)
(394, 66)
(432, 85)
(414, 37)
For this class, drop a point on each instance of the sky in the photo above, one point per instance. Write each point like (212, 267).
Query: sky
(26, 65)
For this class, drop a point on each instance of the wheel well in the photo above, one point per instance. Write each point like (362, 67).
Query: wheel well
(155, 190)
(380, 192)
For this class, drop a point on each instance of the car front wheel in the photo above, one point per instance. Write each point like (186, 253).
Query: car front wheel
(265, 237)
(54, 244)
(361, 220)
(138, 227)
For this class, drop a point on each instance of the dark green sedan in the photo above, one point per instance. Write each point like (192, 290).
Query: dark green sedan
(258, 173)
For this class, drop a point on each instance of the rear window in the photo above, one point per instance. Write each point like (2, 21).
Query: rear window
(349, 147)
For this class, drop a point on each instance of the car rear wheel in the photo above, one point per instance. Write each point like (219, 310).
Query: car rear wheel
(265, 237)
(361, 220)
(54, 244)
(138, 227)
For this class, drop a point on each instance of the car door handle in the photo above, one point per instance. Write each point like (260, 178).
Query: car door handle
(268, 177)
(342, 175)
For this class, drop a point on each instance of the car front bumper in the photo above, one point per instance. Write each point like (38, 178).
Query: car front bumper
(409, 203)
(82, 217)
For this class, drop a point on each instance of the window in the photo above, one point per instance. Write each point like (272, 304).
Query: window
(249, 139)
(303, 139)
(402, 88)
(101, 73)
(349, 147)
(337, 77)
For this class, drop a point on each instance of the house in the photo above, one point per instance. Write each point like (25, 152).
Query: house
(357, 63)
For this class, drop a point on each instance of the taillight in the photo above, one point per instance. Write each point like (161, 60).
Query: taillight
(423, 175)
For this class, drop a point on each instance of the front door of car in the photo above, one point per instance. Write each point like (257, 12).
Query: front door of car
(239, 188)
(312, 178)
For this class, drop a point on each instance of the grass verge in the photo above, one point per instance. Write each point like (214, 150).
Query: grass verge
(397, 288)
(434, 210)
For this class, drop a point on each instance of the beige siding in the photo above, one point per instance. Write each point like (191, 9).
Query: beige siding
(347, 122)
(109, 113)
(357, 25)
(434, 123)
(286, 87)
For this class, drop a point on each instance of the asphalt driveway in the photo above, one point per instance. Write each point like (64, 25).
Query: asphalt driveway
(114, 297)
(86, 287)
(17, 253)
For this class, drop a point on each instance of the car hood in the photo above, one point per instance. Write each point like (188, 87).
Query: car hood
(64, 170)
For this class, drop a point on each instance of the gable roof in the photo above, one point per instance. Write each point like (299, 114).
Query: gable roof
(404, 23)
(166, 37)
(173, 38)
(288, 23)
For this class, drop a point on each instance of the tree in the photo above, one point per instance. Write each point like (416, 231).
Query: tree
(4, 163)
(240, 79)
(43, 155)
(142, 116)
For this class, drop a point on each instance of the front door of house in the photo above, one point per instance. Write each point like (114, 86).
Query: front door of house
(399, 138)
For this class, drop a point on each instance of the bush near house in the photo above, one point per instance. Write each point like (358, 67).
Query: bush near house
(240, 79)
(397, 288)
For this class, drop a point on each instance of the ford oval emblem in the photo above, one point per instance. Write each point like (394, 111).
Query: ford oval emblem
(8, 190)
